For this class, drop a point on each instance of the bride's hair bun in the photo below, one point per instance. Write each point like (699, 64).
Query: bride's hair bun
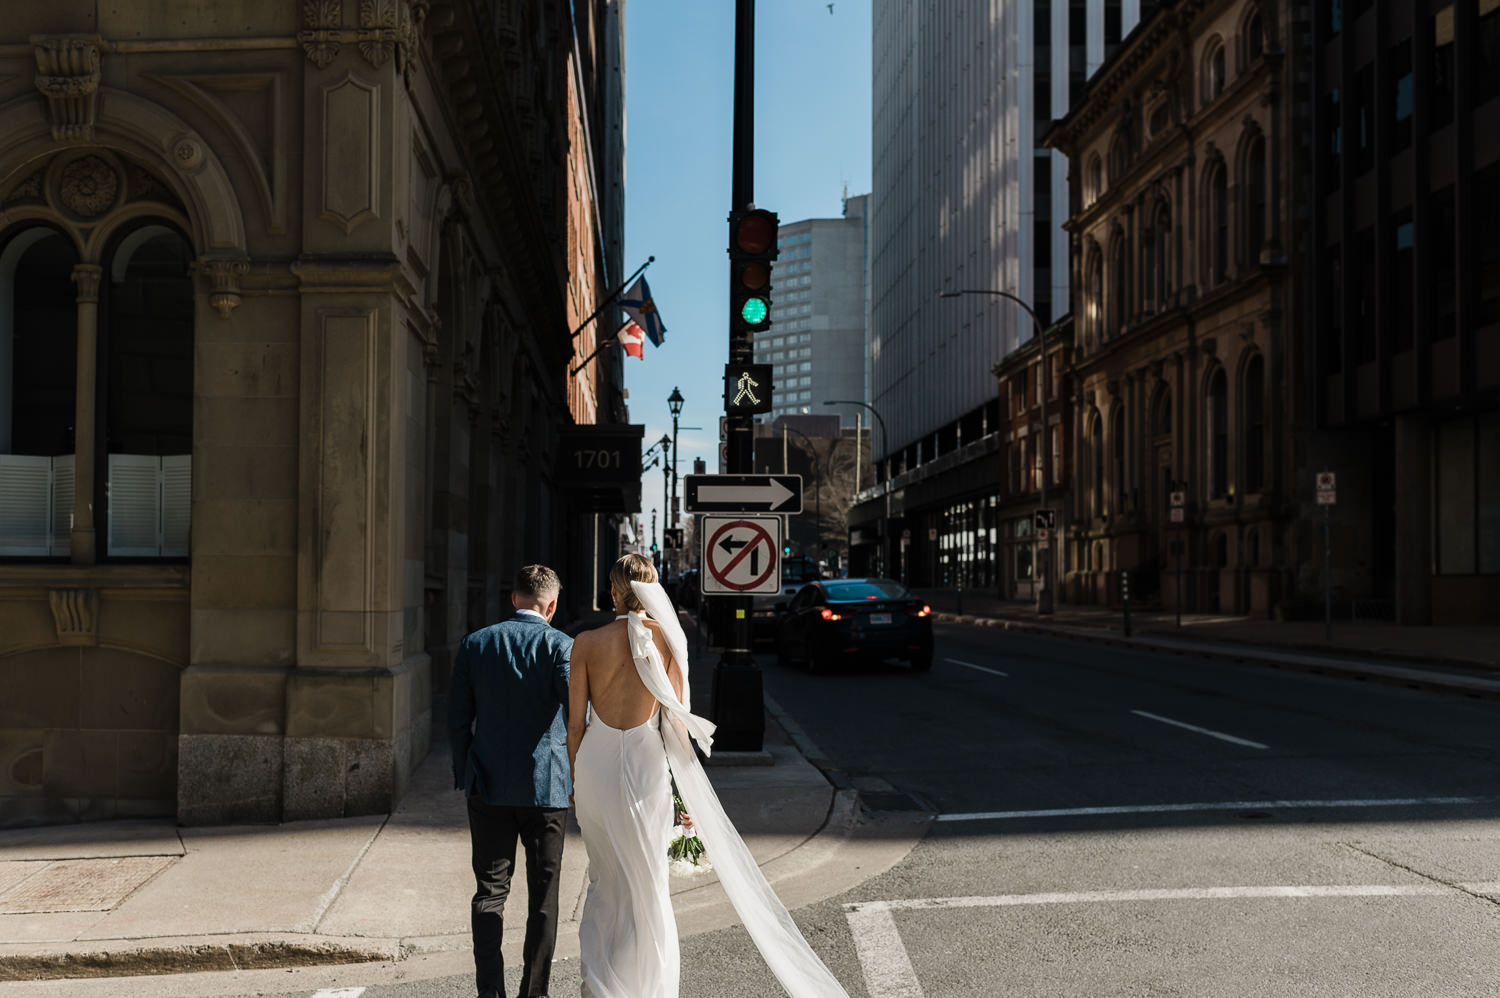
(631, 568)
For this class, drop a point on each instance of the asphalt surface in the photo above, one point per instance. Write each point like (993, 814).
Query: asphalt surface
(1117, 823)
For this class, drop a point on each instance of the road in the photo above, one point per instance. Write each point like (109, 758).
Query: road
(1116, 823)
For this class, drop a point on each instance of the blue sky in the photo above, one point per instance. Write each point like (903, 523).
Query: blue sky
(812, 111)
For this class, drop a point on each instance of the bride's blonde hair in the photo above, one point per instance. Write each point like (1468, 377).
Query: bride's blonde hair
(631, 568)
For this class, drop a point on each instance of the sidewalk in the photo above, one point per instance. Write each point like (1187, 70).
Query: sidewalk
(1464, 660)
(146, 897)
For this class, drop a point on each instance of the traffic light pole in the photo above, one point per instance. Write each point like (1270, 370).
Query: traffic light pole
(738, 697)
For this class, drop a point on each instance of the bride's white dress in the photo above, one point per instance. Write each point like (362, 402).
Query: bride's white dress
(623, 800)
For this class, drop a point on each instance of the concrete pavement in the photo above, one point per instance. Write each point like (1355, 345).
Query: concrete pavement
(1460, 660)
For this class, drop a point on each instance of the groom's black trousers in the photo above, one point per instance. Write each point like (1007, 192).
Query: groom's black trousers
(493, 832)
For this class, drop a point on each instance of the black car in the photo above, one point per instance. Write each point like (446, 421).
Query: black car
(766, 609)
(834, 620)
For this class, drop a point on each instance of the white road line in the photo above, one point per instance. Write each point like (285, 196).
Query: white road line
(1232, 805)
(339, 993)
(1201, 731)
(1163, 894)
(971, 665)
(882, 954)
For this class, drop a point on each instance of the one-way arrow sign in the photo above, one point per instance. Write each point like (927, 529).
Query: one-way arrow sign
(742, 493)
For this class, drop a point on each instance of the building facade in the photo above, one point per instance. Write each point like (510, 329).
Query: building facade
(818, 343)
(285, 301)
(1186, 147)
(965, 198)
(1404, 271)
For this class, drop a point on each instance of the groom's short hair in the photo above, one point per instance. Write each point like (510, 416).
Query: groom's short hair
(538, 582)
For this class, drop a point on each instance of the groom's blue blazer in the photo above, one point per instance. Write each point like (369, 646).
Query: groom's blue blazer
(506, 710)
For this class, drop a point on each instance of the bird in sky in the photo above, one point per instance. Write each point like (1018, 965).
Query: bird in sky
(830, 10)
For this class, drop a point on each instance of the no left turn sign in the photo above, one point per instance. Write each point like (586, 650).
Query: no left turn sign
(741, 555)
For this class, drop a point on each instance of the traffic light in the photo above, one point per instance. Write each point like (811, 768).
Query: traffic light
(786, 550)
(752, 248)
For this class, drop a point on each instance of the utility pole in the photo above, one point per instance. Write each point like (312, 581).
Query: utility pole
(738, 693)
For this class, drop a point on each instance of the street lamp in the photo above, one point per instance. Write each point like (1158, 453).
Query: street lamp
(885, 451)
(674, 405)
(1044, 594)
(665, 443)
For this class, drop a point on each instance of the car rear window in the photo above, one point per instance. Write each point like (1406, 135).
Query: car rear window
(865, 590)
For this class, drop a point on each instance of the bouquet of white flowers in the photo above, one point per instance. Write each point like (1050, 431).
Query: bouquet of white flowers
(685, 848)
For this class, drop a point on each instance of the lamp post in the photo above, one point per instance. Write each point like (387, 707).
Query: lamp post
(884, 450)
(665, 443)
(674, 405)
(1044, 594)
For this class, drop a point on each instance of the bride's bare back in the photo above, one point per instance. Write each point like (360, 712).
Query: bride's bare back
(604, 675)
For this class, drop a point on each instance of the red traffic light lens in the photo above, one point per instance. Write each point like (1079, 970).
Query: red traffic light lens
(756, 232)
(756, 275)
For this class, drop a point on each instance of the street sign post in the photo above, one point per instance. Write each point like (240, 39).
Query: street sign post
(741, 555)
(742, 493)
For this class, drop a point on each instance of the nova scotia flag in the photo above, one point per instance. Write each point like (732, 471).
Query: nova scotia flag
(638, 304)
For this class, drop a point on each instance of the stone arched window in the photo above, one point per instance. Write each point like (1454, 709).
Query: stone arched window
(1161, 226)
(1093, 179)
(1254, 173)
(1149, 238)
(1217, 434)
(1252, 38)
(1213, 70)
(1254, 425)
(1094, 296)
(1119, 158)
(1117, 445)
(1118, 285)
(1096, 455)
(1161, 414)
(1216, 222)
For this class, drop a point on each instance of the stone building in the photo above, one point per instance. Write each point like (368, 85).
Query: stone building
(1185, 150)
(286, 295)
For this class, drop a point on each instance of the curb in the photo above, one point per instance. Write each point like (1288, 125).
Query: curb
(189, 955)
(1293, 658)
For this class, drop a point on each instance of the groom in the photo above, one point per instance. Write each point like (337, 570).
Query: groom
(507, 730)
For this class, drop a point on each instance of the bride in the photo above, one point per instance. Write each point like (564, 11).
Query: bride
(624, 754)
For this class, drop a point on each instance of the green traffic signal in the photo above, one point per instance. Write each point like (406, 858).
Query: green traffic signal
(754, 311)
(787, 549)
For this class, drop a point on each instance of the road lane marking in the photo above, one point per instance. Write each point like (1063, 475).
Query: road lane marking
(1233, 805)
(971, 665)
(1202, 731)
(339, 993)
(882, 955)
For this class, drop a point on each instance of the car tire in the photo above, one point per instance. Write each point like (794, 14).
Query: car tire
(922, 663)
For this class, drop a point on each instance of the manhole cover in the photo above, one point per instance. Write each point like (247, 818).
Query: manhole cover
(81, 884)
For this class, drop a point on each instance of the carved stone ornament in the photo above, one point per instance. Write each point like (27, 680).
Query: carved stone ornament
(146, 186)
(385, 29)
(74, 612)
(321, 20)
(86, 277)
(224, 280)
(88, 187)
(67, 74)
(28, 191)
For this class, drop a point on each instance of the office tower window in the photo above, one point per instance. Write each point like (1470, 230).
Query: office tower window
(1334, 129)
(1332, 302)
(1487, 45)
(1441, 248)
(1364, 119)
(1404, 281)
(1112, 26)
(1365, 288)
(1486, 246)
(1441, 93)
(1335, 16)
(1401, 96)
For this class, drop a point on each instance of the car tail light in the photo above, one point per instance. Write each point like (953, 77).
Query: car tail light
(828, 614)
(926, 611)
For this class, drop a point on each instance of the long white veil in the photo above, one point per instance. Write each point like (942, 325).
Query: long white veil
(789, 956)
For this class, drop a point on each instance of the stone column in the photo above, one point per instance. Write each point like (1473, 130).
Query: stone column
(86, 276)
(1414, 445)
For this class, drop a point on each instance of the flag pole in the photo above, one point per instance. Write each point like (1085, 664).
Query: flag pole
(585, 362)
(611, 297)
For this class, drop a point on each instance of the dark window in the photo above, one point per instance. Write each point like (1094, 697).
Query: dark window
(1402, 320)
(1440, 96)
(1255, 38)
(1335, 16)
(1364, 284)
(1096, 444)
(1486, 245)
(1218, 436)
(1441, 249)
(1112, 23)
(1077, 53)
(1255, 231)
(1332, 299)
(1401, 94)
(1117, 311)
(1364, 119)
(1255, 425)
(1335, 141)
(1218, 212)
(1148, 270)
(1041, 23)
(1163, 229)
(1118, 441)
(1487, 61)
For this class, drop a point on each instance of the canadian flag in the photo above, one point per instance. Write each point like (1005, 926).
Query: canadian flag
(633, 339)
